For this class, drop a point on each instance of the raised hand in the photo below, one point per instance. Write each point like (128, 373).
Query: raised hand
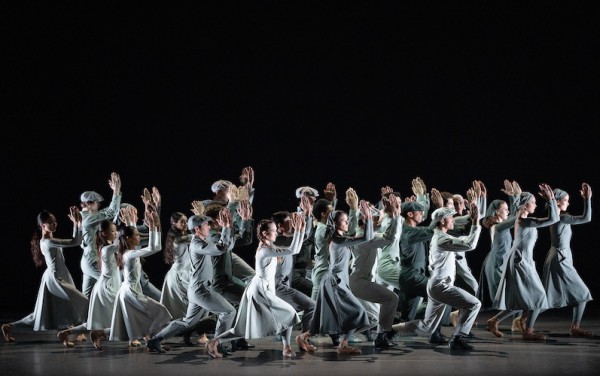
(351, 198)
(330, 192)
(197, 207)
(156, 196)
(365, 209)
(298, 222)
(75, 215)
(471, 195)
(546, 191)
(128, 215)
(474, 212)
(516, 188)
(436, 198)
(392, 204)
(306, 205)
(146, 197)
(508, 188)
(418, 186)
(245, 210)
(482, 189)
(242, 194)
(115, 182)
(385, 190)
(247, 177)
(225, 218)
(586, 190)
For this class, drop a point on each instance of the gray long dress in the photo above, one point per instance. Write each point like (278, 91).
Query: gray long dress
(338, 310)
(495, 261)
(564, 286)
(104, 293)
(136, 315)
(262, 313)
(59, 304)
(175, 285)
(520, 287)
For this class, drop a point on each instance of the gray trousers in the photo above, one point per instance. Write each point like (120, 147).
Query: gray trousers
(202, 301)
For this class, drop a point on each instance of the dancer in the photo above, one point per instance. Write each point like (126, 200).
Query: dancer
(92, 215)
(136, 315)
(520, 287)
(102, 299)
(499, 220)
(361, 280)
(302, 303)
(201, 295)
(59, 304)
(338, 310)
(564, 286)
(262, 313)
(441, 290)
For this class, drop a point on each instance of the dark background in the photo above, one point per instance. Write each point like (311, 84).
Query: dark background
(362, 95)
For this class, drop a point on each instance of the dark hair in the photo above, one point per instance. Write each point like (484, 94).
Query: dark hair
(263, 225)
(447, 195)
(101, 240)
(36, 251)
(280, 217)
(320, 206)
(172, 236)
(124, 244)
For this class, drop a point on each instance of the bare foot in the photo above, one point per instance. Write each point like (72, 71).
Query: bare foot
(63, 336)
(348, 350)
(211, 349)
(288, 352)
(203, 339)
(97, 337)
(6, 332)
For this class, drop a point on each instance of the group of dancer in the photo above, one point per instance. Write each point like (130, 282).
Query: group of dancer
(373, 267)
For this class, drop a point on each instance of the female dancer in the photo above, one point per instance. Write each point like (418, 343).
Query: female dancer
(499, 223)
(520, 287)
(102, 299)
(59, 303)
(262, 313)
(338, 310)
(136, 315)
(563, 284)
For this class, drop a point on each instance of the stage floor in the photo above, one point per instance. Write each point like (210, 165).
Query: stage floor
(40, 353)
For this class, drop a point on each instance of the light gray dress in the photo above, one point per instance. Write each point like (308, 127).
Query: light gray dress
(338, 310)
(321, 259)
(495, 261)
(104, 293)
(520, 286)
(136, 315)
(175, 285)
(564, 286)
(59, 304)
(262, 313)
(285, 274)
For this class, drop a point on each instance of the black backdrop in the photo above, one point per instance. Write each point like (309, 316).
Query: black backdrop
(362, 96)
